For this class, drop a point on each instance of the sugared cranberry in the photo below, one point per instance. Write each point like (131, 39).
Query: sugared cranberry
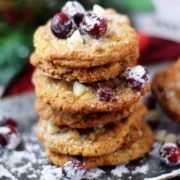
(105, 94)
(14, 140)
(9, 134)
(136, 77)
(12, 128)
(4, 135)
(75, 10)
(149, 101)
(74, 170)
(11, 122)
(170, 154)
(94, 25)
(62, 26)
(132, 83)
(7, 121)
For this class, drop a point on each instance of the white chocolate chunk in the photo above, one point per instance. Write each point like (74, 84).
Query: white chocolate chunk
(170, 138)
(52, 128)
(79, 89)
(75, 38)
(160, 135)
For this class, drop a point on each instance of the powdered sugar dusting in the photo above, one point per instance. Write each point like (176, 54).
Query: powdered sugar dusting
(91, 21)
(51, 173)
(21, 163)
(120, 170)
(5, 173)
(31, 162)
(73, 8)
(94, 173)
(155, 150)
(141, 169)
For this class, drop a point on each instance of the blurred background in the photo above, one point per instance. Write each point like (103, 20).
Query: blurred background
(156, 21)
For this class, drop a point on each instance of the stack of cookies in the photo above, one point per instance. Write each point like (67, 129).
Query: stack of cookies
(89, 89)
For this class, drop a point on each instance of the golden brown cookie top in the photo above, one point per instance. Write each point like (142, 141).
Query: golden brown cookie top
(119, 41)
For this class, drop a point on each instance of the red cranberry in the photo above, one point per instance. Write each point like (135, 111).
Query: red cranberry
(9, 134)
(74, 169)
(170, 154)
(13, 129)
(94, 25)
(105, 94)
(11, 124)
(7, 121)
(62, 26)
(132, 83)
(75, 10)
(136, 77)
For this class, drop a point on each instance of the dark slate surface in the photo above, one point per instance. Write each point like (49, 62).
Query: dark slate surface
(21, 109)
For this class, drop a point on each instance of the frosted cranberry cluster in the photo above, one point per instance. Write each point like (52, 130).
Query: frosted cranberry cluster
(137, 77)
(74, 170)
(170, 153)
(72, 17)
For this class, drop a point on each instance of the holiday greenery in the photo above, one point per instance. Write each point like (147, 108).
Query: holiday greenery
(15, 46)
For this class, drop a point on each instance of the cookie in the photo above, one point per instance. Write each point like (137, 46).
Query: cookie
(77, 120)
(92, 74)
(96, 141)
(76, 97)
(119, 44)
(166, 88)
(136, 150)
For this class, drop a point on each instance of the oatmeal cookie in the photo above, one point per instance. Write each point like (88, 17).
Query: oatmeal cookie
(166, 88)
(105, 96)
(119, 44)
(92, 74)
(96, 141)
(128, 153)
(80, 120)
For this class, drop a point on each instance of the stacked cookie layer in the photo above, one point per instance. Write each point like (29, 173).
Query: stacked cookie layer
(89, 92)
